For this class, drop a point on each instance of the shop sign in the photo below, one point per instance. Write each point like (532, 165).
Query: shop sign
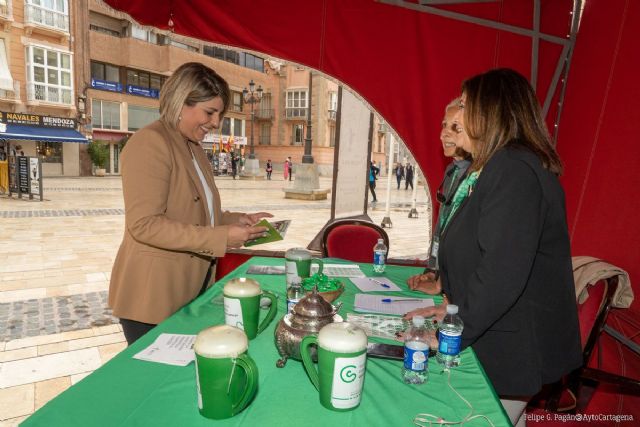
(143, 91)
(106, 85)
(34, 120)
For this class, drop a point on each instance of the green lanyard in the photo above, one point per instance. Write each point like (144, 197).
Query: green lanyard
(462, 193)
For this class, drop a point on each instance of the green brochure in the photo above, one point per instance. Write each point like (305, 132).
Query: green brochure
(276, 231)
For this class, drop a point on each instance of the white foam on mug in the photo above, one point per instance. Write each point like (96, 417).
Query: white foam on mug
(241, 287)
(342, 337)
(221, 341)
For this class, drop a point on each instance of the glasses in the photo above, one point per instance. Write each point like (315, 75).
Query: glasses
(441, 197)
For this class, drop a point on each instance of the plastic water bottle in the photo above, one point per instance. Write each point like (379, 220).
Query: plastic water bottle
(295, 293)
(379, 256)
(416, 353)
(450, 338)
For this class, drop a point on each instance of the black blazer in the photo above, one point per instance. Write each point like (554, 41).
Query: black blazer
(505, 261)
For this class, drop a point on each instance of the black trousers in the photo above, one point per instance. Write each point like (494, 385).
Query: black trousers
(372, 187)
(133, 329)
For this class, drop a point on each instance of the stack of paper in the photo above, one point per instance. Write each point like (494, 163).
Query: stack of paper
(389, 305)
(339, 270)
(375, 284)
(171, 349)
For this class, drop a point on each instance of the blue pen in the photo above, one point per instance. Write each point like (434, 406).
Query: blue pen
(384, 285)
(400, 300)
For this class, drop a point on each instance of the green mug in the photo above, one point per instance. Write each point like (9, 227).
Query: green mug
(226, 377)
(242, 306)
(342, 359)
(298, 265)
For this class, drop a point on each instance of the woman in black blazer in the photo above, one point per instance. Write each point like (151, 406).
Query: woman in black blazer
(504, 253)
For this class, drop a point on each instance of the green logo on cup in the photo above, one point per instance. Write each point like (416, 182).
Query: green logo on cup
(347, 374)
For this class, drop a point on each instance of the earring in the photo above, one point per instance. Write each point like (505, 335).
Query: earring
(179, 117)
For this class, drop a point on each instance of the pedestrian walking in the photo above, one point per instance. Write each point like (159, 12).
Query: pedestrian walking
(408, 180)
(290, 166)
(234, 165)
(399, 174)
(285, 169)
(373, 176)
(269, 169)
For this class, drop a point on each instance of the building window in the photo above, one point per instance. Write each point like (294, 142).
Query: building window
(49, 76)
(296, 104)
(137, 32)
(332, 136)
(107, 72)
(49, 13)
(236, 101)
(251, 61)
(333, 101)
(103, 30)
(297, 137)
(5, 8)
(145, 79)
(225, 129)
(105, 115)
(238, 127)
(50, 152)
(265, 134)
(139, 117)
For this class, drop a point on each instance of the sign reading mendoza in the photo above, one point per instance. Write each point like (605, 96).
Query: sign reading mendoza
(143, 91)
(106, 85)
(36, 120)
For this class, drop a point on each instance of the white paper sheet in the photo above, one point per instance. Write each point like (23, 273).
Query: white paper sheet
(170, 349)
(398, 305)
(339, 270)
(375, 284)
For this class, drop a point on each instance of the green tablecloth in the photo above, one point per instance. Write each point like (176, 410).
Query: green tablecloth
(130, 392)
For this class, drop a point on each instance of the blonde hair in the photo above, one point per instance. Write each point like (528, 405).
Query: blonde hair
(189, 84)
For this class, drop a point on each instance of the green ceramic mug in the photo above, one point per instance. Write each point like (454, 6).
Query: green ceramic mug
(342, 359)
(226, 377)
(242, 306)
(298, 265)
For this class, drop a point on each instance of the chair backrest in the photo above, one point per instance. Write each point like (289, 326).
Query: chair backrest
(352, 240)
(592, 314)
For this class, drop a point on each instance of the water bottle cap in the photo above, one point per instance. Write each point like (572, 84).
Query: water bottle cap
(418, 321)
(380, 241)
(452, 309)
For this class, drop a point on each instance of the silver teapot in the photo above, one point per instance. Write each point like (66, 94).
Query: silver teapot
(308, 316)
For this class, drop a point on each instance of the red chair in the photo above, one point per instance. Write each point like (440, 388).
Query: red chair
(352, 240)
(574, 392)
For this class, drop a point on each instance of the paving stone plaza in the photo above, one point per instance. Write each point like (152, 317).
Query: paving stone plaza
(56, 258)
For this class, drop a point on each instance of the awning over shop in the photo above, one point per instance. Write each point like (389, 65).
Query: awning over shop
(42, 134)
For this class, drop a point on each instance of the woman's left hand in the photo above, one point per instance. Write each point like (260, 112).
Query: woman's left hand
(253, 218)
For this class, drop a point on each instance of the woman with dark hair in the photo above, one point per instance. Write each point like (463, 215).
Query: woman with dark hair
(504, 253)
(174, 223)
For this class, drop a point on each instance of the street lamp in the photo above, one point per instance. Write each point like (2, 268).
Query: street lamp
(252, 96)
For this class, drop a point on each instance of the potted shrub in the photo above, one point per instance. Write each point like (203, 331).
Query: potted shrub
(99, 154)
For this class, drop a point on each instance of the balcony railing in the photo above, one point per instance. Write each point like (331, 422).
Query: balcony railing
(45, 17)
(6, 10)
(296, 113)
(51, 94)
(332, 115)
(12, 95)
(264, 113)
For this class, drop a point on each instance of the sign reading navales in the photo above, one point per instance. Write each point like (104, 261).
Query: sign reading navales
(36, 120)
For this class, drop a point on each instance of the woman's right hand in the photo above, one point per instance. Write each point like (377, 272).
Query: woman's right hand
(426, 283)
(237, 234)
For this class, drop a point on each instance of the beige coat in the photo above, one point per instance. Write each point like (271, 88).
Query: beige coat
(168, 241)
